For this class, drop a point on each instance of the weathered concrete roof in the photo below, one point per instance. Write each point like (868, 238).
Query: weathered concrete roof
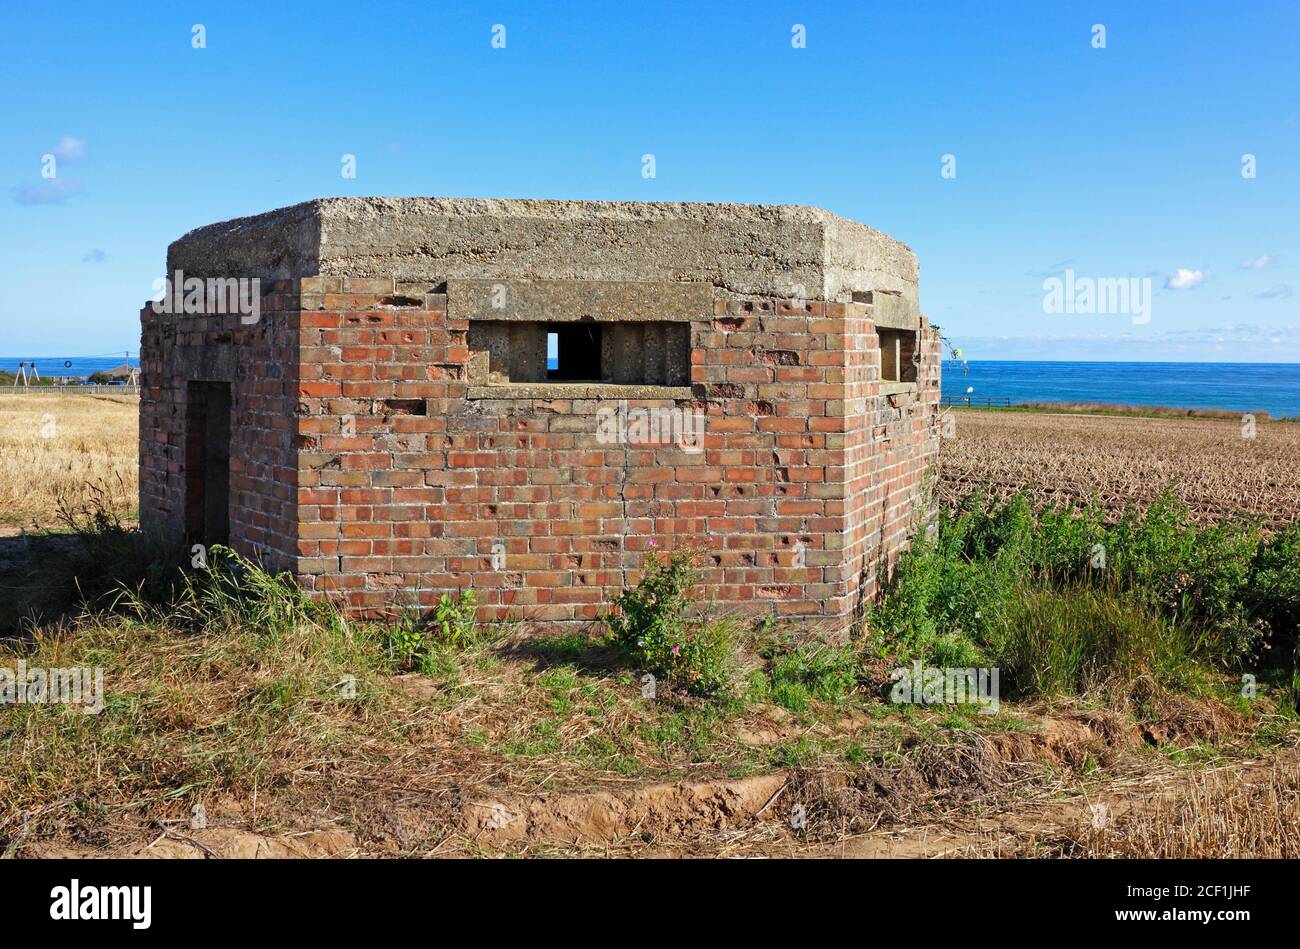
(774, 250)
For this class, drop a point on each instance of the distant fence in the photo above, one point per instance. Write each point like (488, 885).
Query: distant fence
(972, 401)
(84, 390)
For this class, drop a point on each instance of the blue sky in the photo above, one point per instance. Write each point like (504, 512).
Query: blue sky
(1115, 162)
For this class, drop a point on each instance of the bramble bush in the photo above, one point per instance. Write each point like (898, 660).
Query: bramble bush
(655, 623)
(1216, 595)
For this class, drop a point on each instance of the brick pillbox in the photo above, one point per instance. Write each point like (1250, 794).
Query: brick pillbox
(438, 394)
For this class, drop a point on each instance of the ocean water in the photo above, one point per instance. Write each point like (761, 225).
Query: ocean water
(50, 366)
(1240, 387)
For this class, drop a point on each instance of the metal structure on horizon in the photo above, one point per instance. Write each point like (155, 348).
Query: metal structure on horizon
(22, 377)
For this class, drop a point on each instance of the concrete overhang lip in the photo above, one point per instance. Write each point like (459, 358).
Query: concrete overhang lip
(898, 388)
(612, 392)
(779, 251)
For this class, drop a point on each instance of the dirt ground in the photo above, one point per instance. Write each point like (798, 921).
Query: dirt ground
(745, 817)
(1070, 783)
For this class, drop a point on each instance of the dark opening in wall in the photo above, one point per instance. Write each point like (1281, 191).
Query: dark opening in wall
(897, 355)
(207, 463)
(578, 352)
(635, 352)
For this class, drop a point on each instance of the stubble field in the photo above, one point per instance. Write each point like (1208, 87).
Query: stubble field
(1215, 469)
(68, 448)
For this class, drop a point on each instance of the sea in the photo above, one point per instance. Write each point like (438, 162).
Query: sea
(80, 366)
(1239, 387)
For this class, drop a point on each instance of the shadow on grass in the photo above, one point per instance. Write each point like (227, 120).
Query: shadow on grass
(587, 653)
(50, 576)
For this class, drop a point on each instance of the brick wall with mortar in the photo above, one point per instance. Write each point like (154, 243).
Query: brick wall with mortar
(808, 484)
(259, 361)
(892, 442)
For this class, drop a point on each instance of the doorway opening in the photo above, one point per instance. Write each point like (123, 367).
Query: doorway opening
(207, 463)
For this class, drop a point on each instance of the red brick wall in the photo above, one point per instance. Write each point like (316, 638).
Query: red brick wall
(406, 489)
(893, 439)
(259, 361)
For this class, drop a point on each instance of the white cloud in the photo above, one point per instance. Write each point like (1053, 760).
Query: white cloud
(1185, 279)
(53, 191)
(69, 149)
(1281, 291)
(1259, 263)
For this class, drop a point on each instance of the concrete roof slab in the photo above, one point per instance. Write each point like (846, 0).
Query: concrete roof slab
(749, 249)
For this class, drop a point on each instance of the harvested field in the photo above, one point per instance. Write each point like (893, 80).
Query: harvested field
(80, 449)
(1216, 471)
(1233, 810)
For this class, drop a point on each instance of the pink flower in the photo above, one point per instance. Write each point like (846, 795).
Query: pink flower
(676, 650)
(652, 543)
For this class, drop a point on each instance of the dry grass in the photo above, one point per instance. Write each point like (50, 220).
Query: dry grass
(1223, 813)
(250, 721)
(1071, 458)
(253, 721)
(1236, 810)
(66, 446)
